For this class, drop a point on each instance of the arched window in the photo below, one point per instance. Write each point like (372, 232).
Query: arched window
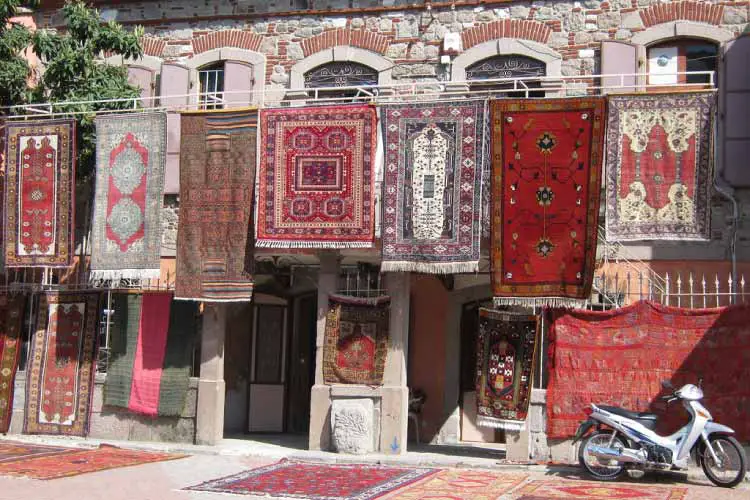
(507, 66)
(667, 59)
(341, 74)
(211, 80)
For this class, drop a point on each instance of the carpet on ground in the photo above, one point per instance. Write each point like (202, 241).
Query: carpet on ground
(40, 195)
(217, 179)
(11, 321)
(61, 366)
(151, 342)
(589, 490)
(659, 166)
(316, 185)
(287, 479)
(432, 190)
(546, 165)
(356, 340)
(506, 346)
(75, 462)
(620, 358)
(457, 484)
(126, 229)
(12, 451)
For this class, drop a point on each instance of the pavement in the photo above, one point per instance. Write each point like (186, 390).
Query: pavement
(165, 480)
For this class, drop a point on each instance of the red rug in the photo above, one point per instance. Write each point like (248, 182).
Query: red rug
(620, 358)
(506, 346)
(546, 164)
(217, 179)
(356, 340)
(11, 320)
(75, 462)
(589, 490)
(317, 177)
(317, 481)
(60, 374)
(12, 451)
(659, 166)
(40, 180)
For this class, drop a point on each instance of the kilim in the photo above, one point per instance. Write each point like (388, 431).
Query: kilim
(592, 490)
(620, 357)
(459, 484)
(74, 462)
(316, 186)
(39, 189)
(356, 340)
(546, 165)
(11, 320)
(659, 160)
(126, 231)
(217, 175)
(60, 373)
(506, 344)
(2, 194)
(287, 479)
(151, 341)
(432, 189)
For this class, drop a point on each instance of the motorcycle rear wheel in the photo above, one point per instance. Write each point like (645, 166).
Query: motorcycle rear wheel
(732, 455)
(594, 466)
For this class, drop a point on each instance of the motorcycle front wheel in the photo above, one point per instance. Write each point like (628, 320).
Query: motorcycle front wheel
(599, 468)
(731, 470)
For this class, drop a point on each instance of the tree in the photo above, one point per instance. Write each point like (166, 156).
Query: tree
(74, 72)
(14, 69)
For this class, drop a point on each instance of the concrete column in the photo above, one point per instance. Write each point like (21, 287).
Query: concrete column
(320, 397)
(211, 387)
(395, 399)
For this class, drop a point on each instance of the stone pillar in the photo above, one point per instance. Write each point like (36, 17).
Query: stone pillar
(320, 397)
(395, 396)
(211, 387)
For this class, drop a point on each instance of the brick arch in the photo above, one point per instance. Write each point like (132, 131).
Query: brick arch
(344, 36)
(153, 46)
(227, 38)
(506, 28)
(701, 12)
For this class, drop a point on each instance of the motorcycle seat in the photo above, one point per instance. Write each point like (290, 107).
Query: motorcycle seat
(647, 419)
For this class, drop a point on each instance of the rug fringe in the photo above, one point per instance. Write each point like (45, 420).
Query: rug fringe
(338, 245)
(540, 302)
(429, 267)
(496, 423)
(125, 274)
(203, 299)
(363, 301)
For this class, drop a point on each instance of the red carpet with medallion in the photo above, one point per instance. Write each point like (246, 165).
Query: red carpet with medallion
(546, 165)
(317, 481)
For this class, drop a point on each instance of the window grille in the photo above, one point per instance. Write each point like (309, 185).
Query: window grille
(506, 66)
(212, 87)
(341, 74)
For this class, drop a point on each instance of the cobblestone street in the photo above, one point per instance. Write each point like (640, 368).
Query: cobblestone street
(167, 480)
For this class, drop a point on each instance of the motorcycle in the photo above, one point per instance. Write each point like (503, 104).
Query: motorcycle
(626, 439)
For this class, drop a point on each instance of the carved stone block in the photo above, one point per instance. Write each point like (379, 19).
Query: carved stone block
(352, 426)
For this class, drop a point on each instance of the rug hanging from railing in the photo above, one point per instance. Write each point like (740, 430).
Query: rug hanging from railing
(546, 165)
(126, 230)
(316, 186)
(217, 178)
(432, 189)
(40, 193)
(2, 193)
(620, 357)
(151, 347)
(61, 367)
(506, 345)
(659, 166)
(356, 340)
(11, 321)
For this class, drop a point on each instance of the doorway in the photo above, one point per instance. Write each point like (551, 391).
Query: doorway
(470, 431)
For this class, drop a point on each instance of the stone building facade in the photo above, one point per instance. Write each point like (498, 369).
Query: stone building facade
(269, 51)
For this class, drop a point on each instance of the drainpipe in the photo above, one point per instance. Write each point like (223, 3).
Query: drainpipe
(722, 187)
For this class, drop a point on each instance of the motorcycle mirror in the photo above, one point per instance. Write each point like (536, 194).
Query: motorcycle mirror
(667, 384)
